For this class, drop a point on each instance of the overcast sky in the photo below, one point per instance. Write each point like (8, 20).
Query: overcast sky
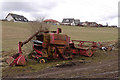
(100, 11)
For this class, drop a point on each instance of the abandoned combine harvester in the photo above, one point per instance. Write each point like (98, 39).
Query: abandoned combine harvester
(52, 45)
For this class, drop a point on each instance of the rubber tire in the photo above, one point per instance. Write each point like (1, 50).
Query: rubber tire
(42, 59)
(30, 55)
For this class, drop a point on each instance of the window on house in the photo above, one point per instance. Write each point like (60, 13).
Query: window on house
(16, 18)
(20, 19)
(67, 20)
(25, 19)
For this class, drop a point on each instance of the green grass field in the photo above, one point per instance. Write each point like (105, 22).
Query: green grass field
(13, 32)
(89, 33)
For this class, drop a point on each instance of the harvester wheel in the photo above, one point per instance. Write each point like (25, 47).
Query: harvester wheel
(42, 60)
(68, 53)
(54, 52)
(32, 55)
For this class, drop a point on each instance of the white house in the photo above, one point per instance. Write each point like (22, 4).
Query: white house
(16, 18)
(93, 24)
(70, 21)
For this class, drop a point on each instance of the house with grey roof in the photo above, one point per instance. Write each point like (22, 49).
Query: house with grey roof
(90, 24)
(16, 18)
(70, 21)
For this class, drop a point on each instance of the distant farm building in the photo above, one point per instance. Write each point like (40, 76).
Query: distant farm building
(70, 21)
(91, 24)
(16, 18)
(114, 26)
(51, 21)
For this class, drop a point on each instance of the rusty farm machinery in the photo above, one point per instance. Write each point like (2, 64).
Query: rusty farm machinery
(52, 45)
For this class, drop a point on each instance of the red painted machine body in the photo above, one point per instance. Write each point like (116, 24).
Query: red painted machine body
(82, 48)
(17, 59)
(53, 45)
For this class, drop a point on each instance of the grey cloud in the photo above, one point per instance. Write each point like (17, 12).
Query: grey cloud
(27, 6)
(38, 15)
(35, 9)
(18, 6)
(110, 17)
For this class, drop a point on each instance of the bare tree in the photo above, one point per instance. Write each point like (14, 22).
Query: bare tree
(40, 19)
(37, 25)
